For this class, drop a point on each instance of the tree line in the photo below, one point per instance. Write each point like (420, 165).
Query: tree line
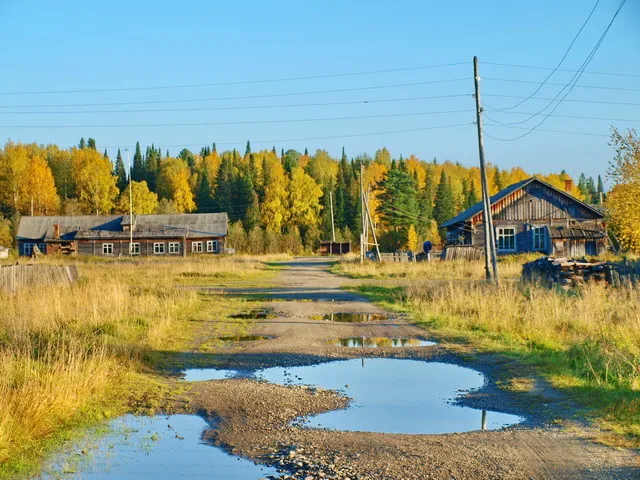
(275, 200)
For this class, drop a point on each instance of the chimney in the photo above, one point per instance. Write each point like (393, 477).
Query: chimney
(56, 231)
(568, 185)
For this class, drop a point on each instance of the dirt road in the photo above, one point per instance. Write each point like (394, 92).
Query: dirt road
(254, 418)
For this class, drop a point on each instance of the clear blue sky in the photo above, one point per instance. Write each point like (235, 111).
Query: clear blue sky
(73, 45)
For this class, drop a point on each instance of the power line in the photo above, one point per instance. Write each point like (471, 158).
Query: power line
(288, 140)
(542, 130)
(244, 122)
(560, 116)
(546, 98)
(242, 107)
(566, 53)
(572, 83)
(535, 67)
(243, 97)
(495, 79)
(237, 82)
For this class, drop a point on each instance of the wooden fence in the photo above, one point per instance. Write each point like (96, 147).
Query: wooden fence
(15, 277)
(462, 252)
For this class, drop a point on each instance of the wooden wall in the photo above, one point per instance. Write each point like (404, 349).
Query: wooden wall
(15, 277)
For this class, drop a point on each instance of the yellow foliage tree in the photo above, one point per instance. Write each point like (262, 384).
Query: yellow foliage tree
(14, 163)
(38, 190)
(145, 202)
(174, 184)
(412, 239)
(274, 208)
(95, 184)
(304, 200)
(622, 202)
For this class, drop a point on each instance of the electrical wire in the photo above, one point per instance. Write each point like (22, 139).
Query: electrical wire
(559, 116)
(242, 97)
(241, 107)
(546, 98)
(544, 130)
(237, 82)
(288, 140)
(244, 122)
(566, 53)
(535, 67)
(598, 87)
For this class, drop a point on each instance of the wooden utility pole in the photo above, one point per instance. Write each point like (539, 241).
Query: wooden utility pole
(333, 226)
(373, 229)
(363, 239)
(489, 234)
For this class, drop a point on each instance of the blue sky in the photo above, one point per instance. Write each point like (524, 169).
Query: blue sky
(73, 45)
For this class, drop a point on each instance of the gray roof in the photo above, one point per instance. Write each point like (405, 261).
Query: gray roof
(477, 208)
(575, 233)
(111, 226)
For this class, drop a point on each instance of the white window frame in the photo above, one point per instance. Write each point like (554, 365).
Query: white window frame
(27, 248)
(134, 248)
(158, 248)
(174, 248)
(501, 234)
(212, 246)
(539, 234)
(196, 247)
(107, 248)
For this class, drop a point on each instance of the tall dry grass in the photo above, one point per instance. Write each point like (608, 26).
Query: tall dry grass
(67, 349)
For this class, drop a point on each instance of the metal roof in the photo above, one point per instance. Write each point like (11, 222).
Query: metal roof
(111, 226)
(477, 208)
(575, 233)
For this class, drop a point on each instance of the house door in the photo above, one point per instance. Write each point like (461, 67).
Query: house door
(591, 248)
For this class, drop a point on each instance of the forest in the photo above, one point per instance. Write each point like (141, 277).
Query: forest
(276, 201)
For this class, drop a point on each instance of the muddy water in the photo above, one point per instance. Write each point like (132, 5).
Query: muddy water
(159, 447)
(255, 315)
(203, 374)
(380, 342)
(348, 317)
(395, 396)
(244, 338)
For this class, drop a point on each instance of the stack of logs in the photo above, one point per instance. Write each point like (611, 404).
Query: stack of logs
(569, 273)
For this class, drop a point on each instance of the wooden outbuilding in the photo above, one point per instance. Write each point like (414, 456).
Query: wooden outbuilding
(110, 235)
(534, 216)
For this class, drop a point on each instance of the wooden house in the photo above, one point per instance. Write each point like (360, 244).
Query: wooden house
(534, 216)
(109, 235)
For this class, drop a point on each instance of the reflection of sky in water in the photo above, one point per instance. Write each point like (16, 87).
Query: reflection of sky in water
(146, 447)
(394, 396)
(354, 317)
(381, 342)
(202, 374)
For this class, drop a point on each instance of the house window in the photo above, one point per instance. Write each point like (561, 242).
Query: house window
(174, 247)
(107, 248)
(42, 248)
(196, 247)
(134, 249)
(539, 238)
(507, 239)
(212, 246)
(26, 248)
(158, 248)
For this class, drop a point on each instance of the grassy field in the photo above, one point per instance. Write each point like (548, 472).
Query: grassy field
(72, 356)
(586, 342)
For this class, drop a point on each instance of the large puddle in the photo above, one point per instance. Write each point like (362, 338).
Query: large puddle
(259, 314)
(244, 338)
(204, 374)
(348, 317)
(395, 396)
(159, 447)
(380, 342)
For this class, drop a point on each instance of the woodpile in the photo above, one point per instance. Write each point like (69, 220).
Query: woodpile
(570, 273)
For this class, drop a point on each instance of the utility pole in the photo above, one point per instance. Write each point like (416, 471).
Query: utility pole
(333, 225)
(489, 234)
(363, 239)
(373, 229)
(130, 205)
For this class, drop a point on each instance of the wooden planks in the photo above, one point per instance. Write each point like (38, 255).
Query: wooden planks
(15, 277)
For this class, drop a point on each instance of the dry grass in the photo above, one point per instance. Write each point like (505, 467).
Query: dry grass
(67, 350)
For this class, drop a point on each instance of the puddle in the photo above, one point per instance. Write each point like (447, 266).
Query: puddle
(348, 317)
(381, 342)
(245, 338)
(204, 374)
(395, 396)
(255, 315)
(159, 447)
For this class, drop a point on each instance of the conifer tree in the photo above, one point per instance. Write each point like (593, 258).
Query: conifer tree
(600, 190)
(472, 197)
(91, 143)
(497, 179)
(152, 168)
(82, 144)
(105, 154)
(444, 208)
(225, 187)
(204, 198)
(120, 172)
(247, 150)
(137, 174)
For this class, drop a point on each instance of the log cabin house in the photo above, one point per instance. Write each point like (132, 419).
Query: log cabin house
(109, 235)
(534, 216)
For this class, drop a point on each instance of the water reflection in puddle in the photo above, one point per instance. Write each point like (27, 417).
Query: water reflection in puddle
(255, 315)
(381, 342)
(204, 374)
(348, 317)
(244, 338)
(394, 396)
(159, 447)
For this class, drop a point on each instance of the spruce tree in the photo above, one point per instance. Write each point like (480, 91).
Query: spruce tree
(82, 144)
(472, 197)
(91, 143)
(105, 154)
(137, 174)
(582, 184)
(120, 172)
(225, 188)
(152, 168)
(600, 190)
(398, 206)
(204, 198)
(497, 179)
(591, 190)
(247, 150)
(444, 208)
